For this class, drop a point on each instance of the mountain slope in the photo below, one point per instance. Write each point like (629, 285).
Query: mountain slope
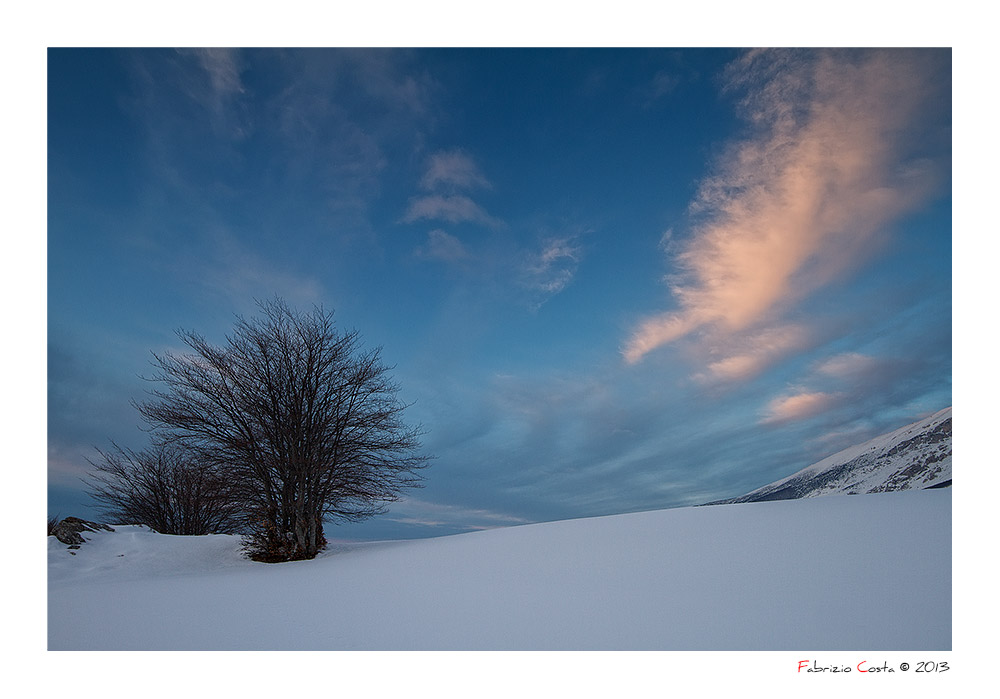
(823, 573)
(914, 457)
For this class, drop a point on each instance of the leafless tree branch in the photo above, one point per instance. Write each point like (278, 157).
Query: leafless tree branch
(299, 420)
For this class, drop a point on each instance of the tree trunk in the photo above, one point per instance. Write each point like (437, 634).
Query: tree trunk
(308, 532)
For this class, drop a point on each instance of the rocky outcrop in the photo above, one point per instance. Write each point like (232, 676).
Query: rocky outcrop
(69, 531)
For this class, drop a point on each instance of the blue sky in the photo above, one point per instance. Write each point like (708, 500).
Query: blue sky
(610, 280)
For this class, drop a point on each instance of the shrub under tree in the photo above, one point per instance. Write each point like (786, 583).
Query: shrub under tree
(165, 488)
(299, 420)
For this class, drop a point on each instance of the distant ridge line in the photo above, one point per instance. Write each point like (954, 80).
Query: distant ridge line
(914, 457)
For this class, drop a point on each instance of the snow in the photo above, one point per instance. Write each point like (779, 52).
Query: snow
(864, 572)
(890, 461)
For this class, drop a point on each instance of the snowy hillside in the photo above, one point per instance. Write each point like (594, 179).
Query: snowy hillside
(827, 573)
(913, 457)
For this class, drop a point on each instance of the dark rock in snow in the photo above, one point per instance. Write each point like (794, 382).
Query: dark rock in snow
(70, 529)
(942, 484)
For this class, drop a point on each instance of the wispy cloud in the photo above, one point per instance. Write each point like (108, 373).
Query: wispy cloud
(239, 275)
(222, 67)
(540, 269)
(448, 174)
(845, 381)
(852, 366)
(453, 169)
(805, 200)
(442, 246)
(799, 406)
(339, 117)
(746, 355)
(453, 208)
(325, 125)
(550, 269)
(437, 515)
(663, 83)
(211, 77)
(387, 77)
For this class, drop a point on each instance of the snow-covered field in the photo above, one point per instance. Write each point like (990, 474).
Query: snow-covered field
(865, 572)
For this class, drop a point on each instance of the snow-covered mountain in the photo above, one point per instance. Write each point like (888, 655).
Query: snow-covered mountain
(914, 457)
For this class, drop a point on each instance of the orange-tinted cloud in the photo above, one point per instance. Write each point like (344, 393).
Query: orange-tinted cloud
(798, 406)
(805, 200)
(746, 356)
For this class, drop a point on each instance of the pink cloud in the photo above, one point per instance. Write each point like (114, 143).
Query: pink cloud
(745, 357)
(791, 210)
(656, 331)
(798, 407)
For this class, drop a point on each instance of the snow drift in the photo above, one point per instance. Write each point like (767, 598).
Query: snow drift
(867, 572)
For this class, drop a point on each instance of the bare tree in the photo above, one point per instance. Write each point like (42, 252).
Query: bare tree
(303, 424)
(165, 488)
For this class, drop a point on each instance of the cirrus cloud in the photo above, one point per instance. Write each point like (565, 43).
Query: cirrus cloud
(746, 356)
(442, 246)
(453, 169)
(453, 208)
(803, 201)
(548, 271)
(448, 173)
(799, 406)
